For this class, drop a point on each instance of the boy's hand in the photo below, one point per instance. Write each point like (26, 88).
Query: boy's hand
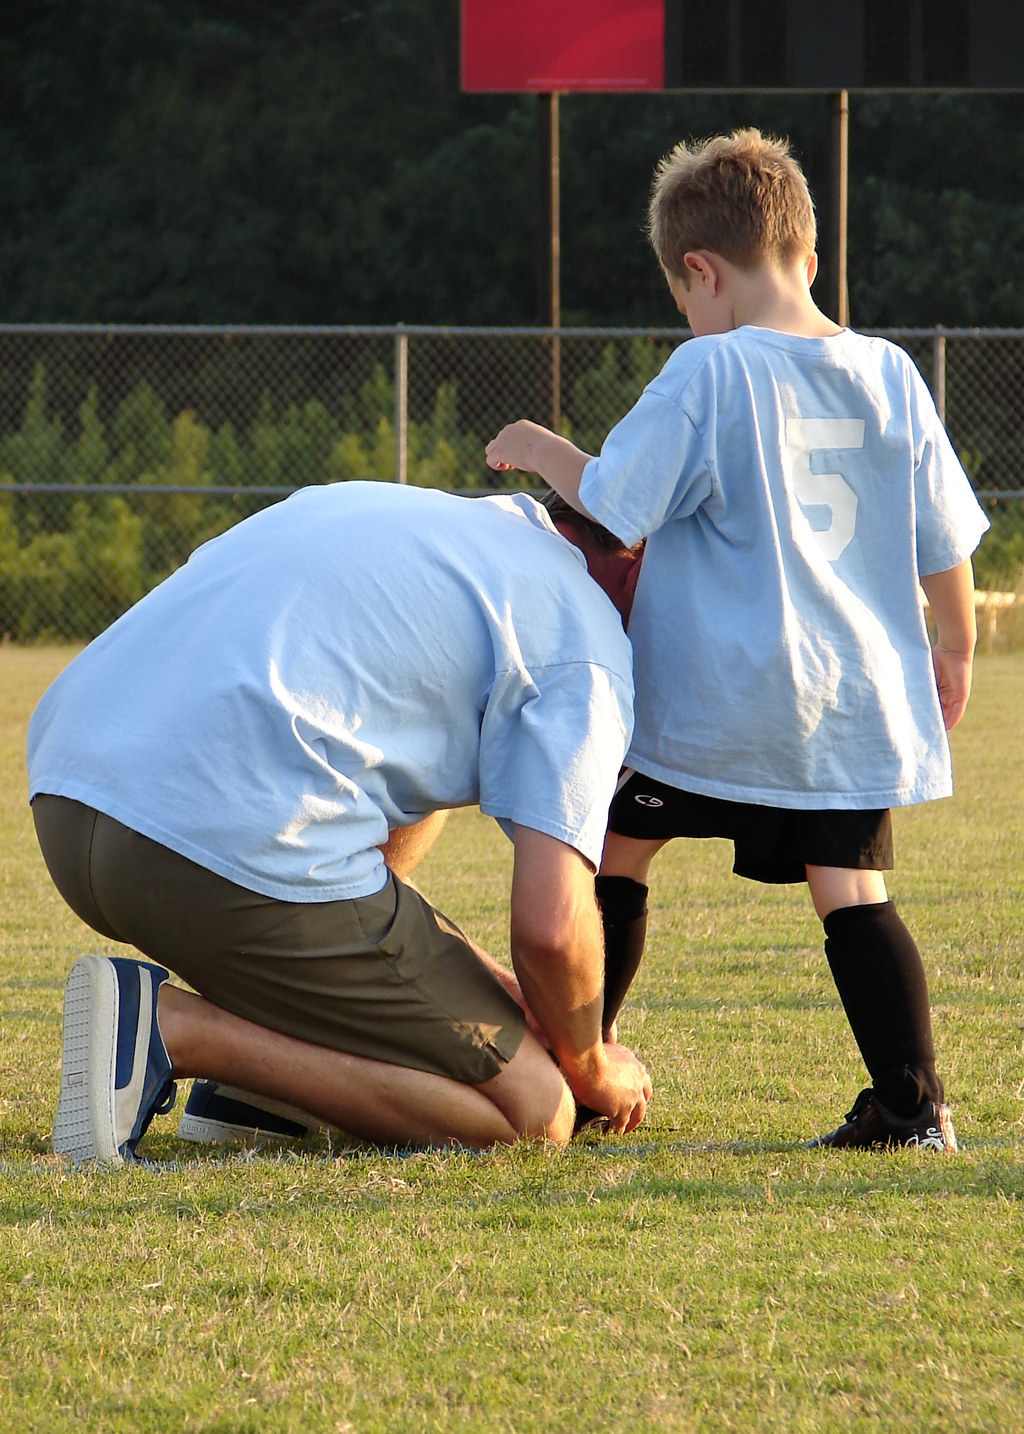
(953, 679)
(516, 446)
(534, 449)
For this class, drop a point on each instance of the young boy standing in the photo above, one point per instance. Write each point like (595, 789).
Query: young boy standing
(796, 488)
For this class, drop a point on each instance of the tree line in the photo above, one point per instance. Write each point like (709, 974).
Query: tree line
(313, 162)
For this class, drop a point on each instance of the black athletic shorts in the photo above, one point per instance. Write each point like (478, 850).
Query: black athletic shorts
(771, 844)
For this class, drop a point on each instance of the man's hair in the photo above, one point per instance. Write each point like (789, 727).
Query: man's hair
(600, 537)
(741, 195)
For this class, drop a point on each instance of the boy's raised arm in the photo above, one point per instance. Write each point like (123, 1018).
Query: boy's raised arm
(951, 597)
(534, 449)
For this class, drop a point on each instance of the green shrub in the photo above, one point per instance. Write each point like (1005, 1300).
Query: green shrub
(71, 562)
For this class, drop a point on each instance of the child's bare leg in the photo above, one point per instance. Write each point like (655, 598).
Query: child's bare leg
(629, 856)
(833, 887)
(387, 1104)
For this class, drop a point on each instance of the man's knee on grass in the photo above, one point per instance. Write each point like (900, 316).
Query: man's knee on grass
(532, 1095)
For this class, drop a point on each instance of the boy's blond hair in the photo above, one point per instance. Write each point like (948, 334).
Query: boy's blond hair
(742, 196)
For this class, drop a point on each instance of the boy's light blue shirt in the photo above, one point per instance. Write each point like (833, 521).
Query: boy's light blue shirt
(346, 662)
(793, 491)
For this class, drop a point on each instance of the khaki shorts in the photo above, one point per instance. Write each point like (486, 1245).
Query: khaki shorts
(384, 976)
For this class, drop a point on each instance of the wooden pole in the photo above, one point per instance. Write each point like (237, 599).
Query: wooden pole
(840, 200)
(551, 305)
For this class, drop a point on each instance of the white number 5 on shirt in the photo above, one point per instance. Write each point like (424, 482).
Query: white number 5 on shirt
(805, 436)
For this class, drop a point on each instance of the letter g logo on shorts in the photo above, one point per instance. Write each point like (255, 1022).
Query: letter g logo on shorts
(646, 800)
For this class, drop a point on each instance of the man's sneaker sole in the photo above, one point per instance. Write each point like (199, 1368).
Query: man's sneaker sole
(115, 1070)
(83, 1127)
(218, 1114)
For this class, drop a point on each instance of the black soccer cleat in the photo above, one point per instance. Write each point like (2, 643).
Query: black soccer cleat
(870, 1126)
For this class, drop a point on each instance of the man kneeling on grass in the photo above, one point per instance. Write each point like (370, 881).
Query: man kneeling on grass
(236, 775)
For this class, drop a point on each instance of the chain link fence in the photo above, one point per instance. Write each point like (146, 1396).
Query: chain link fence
(122, 449)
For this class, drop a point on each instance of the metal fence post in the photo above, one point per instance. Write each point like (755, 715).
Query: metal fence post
(401, 404)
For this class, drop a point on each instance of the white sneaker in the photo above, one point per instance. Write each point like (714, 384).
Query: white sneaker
(115, 1074)
(223, 1115)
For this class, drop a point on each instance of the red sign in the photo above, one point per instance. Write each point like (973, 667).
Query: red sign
(548, 45)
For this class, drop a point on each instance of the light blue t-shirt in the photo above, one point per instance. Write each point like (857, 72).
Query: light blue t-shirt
(793, 491)
(343, 663)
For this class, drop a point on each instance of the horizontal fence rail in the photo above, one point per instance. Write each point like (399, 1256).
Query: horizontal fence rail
(122, 448)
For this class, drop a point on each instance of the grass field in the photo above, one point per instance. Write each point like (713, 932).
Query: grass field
(704, 1274)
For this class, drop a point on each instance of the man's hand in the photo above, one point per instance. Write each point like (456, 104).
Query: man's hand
(614, 1084)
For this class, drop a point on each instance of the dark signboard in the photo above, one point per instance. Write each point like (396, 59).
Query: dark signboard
(623, 45)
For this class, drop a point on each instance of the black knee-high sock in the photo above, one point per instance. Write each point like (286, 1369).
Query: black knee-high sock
(623, 905)
(881, 982)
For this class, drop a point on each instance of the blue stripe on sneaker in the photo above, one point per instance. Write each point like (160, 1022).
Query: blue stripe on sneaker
(127, 973)
(142, 1086)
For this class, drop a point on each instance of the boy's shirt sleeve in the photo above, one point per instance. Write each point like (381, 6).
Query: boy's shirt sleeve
(653, 465)
(949, 519)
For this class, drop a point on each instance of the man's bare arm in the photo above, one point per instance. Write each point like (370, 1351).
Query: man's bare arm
(407, 846)
(558, 955)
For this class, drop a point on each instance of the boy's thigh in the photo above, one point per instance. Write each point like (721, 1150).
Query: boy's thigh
(384, 976)
(770, 844)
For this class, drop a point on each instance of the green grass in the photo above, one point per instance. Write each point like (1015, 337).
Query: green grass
(705, 1274)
